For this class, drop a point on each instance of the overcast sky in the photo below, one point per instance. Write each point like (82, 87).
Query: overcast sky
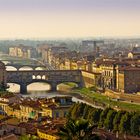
(69, 18)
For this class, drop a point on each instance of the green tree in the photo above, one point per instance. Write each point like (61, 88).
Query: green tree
(124, 126)
(108, 123)
(103, 117)
(86, 111)
(77, 111)
(80, 110)
(69, 115)
(74, 110)
(77, 130)
(94, 116)
(135, 124)
(26, 137)
(117, 119)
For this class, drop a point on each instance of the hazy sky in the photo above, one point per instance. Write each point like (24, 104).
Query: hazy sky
(69, 18)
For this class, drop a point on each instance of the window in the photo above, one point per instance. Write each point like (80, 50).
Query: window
(65, 113)
(57, 114)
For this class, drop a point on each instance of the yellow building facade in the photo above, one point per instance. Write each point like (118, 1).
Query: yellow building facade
(46, 136)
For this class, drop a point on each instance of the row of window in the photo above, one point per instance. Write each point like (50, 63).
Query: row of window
(108, 73)
(58, 114)
(39, 77)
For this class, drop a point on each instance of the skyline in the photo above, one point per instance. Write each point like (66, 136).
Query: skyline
(69, 18)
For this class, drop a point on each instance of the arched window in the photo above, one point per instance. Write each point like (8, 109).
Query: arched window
(33, 77)
(38, 77)
(43, 77)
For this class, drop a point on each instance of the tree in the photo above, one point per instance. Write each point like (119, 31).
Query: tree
(135, 124)
(103, 116)
(108, 123)
(69, 115)
(77, 110)
(117, 119)
(124, 126)
(90, 113)
(72, 112)
(86, 112)
(94, 116)
(80, 110)
(26, 137)
(78, 130)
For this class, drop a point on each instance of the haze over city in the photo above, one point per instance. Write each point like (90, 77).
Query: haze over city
(69, 18)
(69, 70)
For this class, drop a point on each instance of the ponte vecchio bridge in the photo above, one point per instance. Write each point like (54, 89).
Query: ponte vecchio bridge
(52, 77)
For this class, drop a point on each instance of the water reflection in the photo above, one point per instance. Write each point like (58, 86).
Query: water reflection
(32, 88)
(38, 87)
(13, 88)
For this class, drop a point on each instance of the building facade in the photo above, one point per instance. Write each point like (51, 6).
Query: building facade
(22, 51)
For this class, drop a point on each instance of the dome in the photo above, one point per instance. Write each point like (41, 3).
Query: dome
(2, 65)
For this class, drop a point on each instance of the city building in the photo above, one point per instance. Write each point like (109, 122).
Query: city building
(92, 79)
(116, 74)
(25, 109)
(22, 51)
(92, 46)
(135, 53)
(128, 79)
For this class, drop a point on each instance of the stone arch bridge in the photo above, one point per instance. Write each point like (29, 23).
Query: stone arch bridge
(52, 77)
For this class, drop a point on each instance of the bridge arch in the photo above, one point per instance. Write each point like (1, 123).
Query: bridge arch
(39, 86)
(6, 62)
(19, 87)
(11, 68)
(52, 86)
(39, 68)
(22, 68)
(14, 87)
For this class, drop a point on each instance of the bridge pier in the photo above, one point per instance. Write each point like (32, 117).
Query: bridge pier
(53, 87)
(81, 85)
(23, 88)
